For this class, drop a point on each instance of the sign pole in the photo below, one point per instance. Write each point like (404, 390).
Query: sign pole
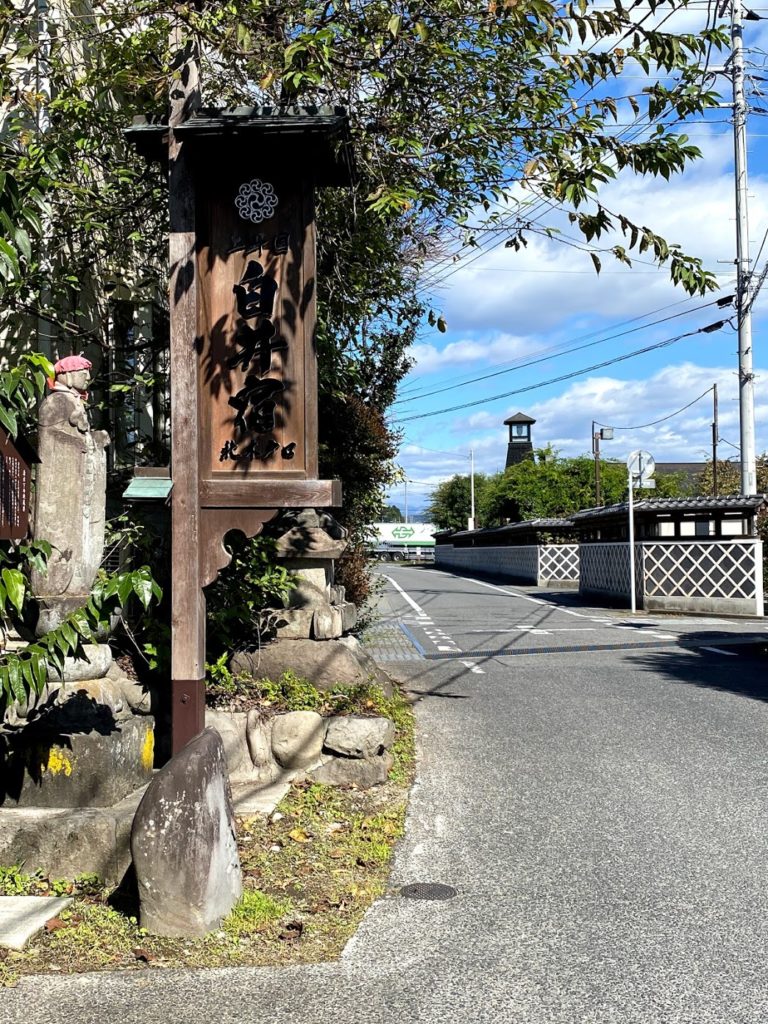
(633, 600)
(187, 600)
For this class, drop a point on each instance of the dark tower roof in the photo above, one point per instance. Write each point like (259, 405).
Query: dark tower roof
(519, 417)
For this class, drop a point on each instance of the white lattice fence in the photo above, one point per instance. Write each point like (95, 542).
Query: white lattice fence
(723, 575)
(604, 569)
(559, 562)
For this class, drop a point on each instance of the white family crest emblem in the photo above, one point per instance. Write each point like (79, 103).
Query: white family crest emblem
(256, 201)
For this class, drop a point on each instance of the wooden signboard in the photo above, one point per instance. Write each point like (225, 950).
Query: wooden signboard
(16, 459)
(243, 358)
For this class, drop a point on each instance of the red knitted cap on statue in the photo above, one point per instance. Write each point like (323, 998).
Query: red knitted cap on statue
(71, 363)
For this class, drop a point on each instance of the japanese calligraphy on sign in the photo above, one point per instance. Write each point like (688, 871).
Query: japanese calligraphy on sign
(258, 361)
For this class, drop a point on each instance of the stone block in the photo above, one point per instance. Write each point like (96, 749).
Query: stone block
(76, 756)
(65, 843)
(137, 697)
(95, 664)
(231, 727)
(348, 771)
(183, 843)
(106, 693)
(294, 623)
(348, 616)
(359, 737)
(327, 623)
(308, 595)
(22, 916)
(259, 737)
(297, 738)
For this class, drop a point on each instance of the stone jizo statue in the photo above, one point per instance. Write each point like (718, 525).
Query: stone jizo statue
(70, 494)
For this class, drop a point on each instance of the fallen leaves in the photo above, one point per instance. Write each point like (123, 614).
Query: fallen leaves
(298, 835)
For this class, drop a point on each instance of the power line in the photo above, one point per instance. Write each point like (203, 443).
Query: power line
(708, 329)
(642, 426)
(568, 351)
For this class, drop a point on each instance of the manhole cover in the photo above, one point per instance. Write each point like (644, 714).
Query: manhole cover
(428, 891)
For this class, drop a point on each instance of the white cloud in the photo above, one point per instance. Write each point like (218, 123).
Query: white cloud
(497, 349)
(537, 290)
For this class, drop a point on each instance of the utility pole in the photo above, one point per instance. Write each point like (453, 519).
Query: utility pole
(743, 272)
(715, 439)
(596, 454)
(471, 523)
(405, 481)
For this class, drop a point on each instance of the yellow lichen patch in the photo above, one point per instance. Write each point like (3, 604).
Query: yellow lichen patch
(58, 762)
(148, 750)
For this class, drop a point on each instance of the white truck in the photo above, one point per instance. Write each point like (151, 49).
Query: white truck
(411, 541)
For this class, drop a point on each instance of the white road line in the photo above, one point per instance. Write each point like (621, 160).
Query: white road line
(434, 635)
(502, 590)
(536, 629)
(473, 668)
(417, 608)
(717, 650)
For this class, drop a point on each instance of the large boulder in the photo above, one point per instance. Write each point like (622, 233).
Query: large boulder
(78, 754)
(324, 663)
(183, 843)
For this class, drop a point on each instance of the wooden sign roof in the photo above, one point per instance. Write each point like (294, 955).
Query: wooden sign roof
(315, 138)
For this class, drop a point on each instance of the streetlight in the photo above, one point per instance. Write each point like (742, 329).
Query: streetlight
(604, 434)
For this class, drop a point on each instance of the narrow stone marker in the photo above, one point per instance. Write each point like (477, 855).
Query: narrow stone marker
(22, 916)
(183, 843)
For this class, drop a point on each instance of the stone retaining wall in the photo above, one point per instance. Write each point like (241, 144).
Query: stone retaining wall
(342, 750)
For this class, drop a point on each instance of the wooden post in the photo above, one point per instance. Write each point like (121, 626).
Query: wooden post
(187, 599)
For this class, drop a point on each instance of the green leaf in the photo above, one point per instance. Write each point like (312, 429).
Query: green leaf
(15, 586)
(125, 588)
(143, 589)
(8, 420)
(69, 635)
(596, 260)
(15, 679)
(394, 24)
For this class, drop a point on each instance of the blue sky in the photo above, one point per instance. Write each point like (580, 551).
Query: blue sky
(504, 308)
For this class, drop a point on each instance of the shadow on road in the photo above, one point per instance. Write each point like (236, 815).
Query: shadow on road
(744, 673)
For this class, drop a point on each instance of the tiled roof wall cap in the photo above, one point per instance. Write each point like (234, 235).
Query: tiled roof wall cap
(735, 502)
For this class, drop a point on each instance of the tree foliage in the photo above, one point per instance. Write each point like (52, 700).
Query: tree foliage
(450, 503)
(464, 114)
(548, 486)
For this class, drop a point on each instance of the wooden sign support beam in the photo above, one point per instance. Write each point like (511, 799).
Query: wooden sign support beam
(187, 598)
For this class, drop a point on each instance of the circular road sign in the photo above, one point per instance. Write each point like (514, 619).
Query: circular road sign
(641, 463)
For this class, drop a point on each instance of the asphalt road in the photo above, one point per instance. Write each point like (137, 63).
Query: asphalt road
(597, 799)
